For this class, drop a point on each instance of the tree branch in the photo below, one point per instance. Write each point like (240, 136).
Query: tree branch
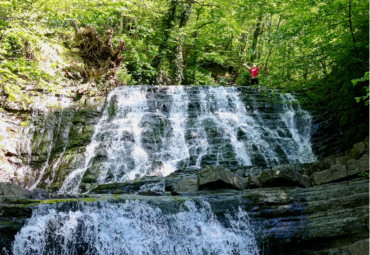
(350, 21)
(205, 24)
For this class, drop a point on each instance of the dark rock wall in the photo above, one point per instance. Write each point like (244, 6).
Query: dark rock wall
(59, 139)
(326, 219)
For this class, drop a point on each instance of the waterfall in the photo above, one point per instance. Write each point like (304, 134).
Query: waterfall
(156, 130)
(134, 227)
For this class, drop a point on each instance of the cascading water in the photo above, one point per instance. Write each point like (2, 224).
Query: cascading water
(134, 227)
(154, 130)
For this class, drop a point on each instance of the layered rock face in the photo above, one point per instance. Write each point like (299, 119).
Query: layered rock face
(158, 130)
(326, 219)
(39, 146)
(290, 212)
(186, 154)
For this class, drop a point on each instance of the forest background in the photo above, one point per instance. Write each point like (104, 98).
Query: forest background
(317, 48)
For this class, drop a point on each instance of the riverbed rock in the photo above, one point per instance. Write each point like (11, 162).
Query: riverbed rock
(145, 186)
(10, 190)
(188, 185)
(358, 166)
(326, 219)
(216, 177)
(358, 149)
(342, 170)
(15, 209)
(336, 172)
(284, 175)
(317, 220)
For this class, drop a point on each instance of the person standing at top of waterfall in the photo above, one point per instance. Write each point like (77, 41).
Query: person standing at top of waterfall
(254, 73)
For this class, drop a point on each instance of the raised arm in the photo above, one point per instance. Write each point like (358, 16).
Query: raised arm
(247, 66)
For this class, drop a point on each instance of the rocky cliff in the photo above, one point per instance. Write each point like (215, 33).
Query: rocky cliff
(318, 208)
(40, 147)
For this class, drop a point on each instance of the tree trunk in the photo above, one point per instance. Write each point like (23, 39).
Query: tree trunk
(195, 37)
(350, 21)
(179, 58)
(271, 48)
(168, 22)
(256, 34)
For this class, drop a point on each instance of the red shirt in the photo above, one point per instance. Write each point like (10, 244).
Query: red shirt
(254, 71)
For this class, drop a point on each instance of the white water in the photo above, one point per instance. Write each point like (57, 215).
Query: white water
(121, 154)
(300, 134)
(148, 130)
(134, 227)
(174, 148)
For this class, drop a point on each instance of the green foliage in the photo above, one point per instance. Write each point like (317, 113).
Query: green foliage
(364, 81)
(124, 77)
(298, 41)
(24, 124)
(308, 47)
(202, 78)
(244, 79)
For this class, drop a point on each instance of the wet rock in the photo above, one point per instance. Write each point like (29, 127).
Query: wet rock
(60, 167)
(326, 218)
(144, 186)
(340, 160)
(360, 247)
(284, 175)
(80, 136)
(39, 194)
(342, 170)
(320, 165)
(10, 190)
(358, 166)
(253, 171)
(188, 185)
(336, 172)
(253, 182)
(358, 150)
(14, 210)
(155, 188)
(218, 177)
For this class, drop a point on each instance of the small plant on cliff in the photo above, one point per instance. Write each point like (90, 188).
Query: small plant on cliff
(364, 174)
(364, 80)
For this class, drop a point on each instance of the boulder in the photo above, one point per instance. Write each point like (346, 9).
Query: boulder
(284, 175)
(253, 182)
(335, 173)
(217, 177)
(358, 150)
(342, 170)
(360, 247)
(253, 171)
(358, 166)
(14, 210)
(39, 194)
(154, 188)
(341, 160)
(187, 185)
(319, 165)
(10, 190)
